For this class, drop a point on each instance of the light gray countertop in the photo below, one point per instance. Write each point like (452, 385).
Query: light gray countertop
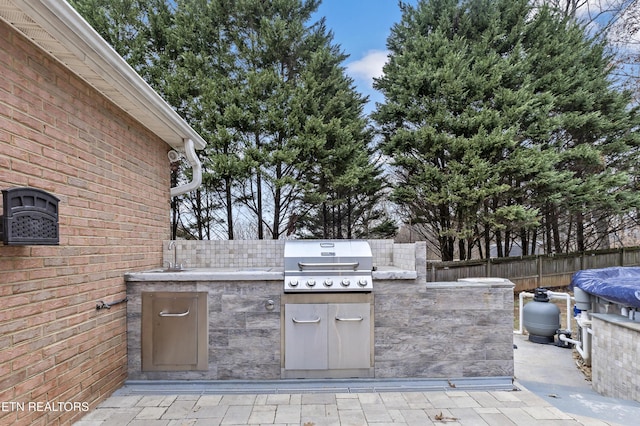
(247, 274)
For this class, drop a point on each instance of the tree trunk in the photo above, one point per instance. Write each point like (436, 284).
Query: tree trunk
(325, 220)
(259, 204)
(259, 192)
(580, 243)
(461, 249)
(534, 244)
(507, 243)
(547, 233)
(555, 229)
(499, 253)
(229, 202)
(198, 214)
(277, 200)
(349, 208)
(487, 234)
(524, 242)
(602, 233)
(339, 222)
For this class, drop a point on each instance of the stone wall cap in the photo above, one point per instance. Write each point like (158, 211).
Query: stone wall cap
(472, 284)
(619, 320)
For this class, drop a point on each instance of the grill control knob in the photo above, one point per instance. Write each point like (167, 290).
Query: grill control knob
(328, 283)
(362, 283)
(345, 283)
(293, 283)
(311, 283)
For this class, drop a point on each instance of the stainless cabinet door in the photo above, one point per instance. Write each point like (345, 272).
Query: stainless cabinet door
(174, 331)
(349, 335)
(305, 337)
(175, 335)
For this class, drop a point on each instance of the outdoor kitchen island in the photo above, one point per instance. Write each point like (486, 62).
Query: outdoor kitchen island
(447, 330)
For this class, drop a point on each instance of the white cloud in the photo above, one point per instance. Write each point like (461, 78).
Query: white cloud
(369, 67)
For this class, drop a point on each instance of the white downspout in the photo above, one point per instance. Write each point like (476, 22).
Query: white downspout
(196, 166)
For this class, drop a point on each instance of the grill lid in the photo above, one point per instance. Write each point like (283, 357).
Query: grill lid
(327, 266)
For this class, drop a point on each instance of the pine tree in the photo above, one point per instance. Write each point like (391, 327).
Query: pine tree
(594, 134)
(303, 124)
(265, 88)
(347, 187)
(499, 121)
(455, 120)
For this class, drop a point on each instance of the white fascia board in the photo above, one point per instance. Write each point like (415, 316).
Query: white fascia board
(68, 28)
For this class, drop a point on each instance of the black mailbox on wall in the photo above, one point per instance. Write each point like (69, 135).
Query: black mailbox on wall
(30, 217)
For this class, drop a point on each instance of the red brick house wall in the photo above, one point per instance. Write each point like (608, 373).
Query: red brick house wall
(112, 178)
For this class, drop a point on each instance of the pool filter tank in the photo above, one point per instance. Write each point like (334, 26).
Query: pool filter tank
(541, 318)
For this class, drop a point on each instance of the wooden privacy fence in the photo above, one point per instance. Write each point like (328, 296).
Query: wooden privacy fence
(530, 272)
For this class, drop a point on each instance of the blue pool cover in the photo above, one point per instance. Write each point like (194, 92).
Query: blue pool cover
(618, 284)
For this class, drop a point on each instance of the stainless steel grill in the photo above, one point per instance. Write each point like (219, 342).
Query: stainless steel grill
(327, 266)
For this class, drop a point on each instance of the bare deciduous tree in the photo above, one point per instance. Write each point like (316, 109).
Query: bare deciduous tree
(616, 20)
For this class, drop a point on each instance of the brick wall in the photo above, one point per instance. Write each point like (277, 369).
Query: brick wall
(112, 178)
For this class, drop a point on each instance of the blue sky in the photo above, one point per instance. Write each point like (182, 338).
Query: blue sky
(361, 28)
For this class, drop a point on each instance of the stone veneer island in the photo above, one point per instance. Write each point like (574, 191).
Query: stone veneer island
(428, 330)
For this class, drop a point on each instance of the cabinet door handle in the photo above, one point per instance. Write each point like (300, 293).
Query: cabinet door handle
(317, 320)
(167, 314)
(349, 319)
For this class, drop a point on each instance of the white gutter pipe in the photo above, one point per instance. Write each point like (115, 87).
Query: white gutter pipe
(196, 166)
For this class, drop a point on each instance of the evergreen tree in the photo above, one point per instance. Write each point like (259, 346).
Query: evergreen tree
(265, 88)
(495, 118)
(594, 136)
(455, 120)
(204, 88)
(122, 23)
(344, 198)
(303, 124)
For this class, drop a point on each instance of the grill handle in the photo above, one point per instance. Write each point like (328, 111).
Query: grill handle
(347, 265)
(315, 321)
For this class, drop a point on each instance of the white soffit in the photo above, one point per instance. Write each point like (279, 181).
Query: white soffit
(58, 29)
